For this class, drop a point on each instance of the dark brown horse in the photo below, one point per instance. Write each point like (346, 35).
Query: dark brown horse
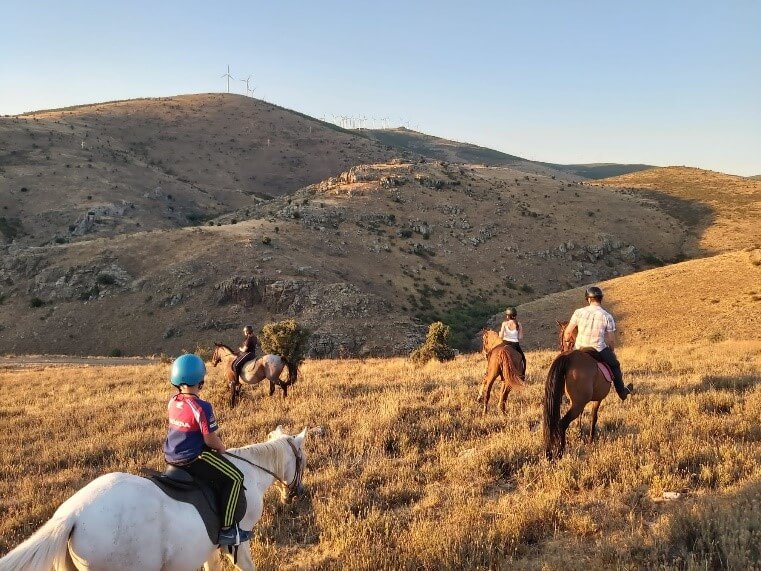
(266, 367)
(577, 374)
(502, 361)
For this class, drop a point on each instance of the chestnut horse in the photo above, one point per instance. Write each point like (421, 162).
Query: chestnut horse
(576, 373)
(502, 361)
(266, 367)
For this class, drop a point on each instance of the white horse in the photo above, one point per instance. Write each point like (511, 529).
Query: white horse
(122, 522)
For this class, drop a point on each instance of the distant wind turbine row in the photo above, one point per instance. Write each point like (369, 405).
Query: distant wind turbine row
(344, 121)
(249, 90)
(364, 122)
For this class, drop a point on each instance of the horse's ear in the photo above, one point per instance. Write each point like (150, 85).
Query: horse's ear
(275, 433)
(299, 438)
(556, 321)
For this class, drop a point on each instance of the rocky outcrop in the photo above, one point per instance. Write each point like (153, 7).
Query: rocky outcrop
(242, 291)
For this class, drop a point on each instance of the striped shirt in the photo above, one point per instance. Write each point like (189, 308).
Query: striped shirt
(592, 322)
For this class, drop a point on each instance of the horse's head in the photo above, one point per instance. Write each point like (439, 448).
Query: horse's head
(216, 356)
(294, 462)
(564, 345)
(489, 340)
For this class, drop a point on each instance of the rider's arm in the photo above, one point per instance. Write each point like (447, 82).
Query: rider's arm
(610, 339)
(214, 442)
(520, 332)
(570, 328)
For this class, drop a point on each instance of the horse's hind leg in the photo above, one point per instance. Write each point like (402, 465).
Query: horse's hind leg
(272, 387)
(572, 414)
(595, 408)
(503, 398)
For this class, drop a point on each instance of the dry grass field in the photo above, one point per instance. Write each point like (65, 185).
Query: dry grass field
(724, 209)
(710, 299)
(409, 475)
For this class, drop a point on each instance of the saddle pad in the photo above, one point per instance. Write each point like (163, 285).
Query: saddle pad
(605, 371)
(199, 496)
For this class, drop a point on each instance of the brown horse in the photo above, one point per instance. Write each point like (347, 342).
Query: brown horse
(266, 367)
(502, 361)
(576, 373)
(564, 345)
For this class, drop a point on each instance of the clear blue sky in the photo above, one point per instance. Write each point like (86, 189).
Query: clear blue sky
(660, 82)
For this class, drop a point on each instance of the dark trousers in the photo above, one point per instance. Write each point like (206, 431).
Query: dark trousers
(517, 347)
(226, 480)
(610, 359)
(240, 362)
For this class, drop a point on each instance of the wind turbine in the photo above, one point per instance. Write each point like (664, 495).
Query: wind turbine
(247, 81)
(229, 77)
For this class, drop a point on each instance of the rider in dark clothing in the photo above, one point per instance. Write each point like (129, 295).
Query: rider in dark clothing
(247, 350)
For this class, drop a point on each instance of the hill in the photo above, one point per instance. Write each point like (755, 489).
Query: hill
(119, 167)
(722, 210)
(406, 473)
(365, 259)
(755, 177)
(457, 152)
(706, 300)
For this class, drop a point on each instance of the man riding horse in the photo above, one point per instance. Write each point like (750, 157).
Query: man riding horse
(247, 351)
(597, 329)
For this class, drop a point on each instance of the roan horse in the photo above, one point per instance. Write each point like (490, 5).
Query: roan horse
(502, 361)
(576, 373)
(266, 367)
(123, 522)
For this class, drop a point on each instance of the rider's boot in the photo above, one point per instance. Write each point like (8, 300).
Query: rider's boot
(233, 535)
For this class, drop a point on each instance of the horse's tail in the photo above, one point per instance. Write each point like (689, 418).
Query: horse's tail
(46, 549)
(293, 371)
(553, 394)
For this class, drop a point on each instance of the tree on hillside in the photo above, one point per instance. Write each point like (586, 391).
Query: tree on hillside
(285, 338)
(436, 345)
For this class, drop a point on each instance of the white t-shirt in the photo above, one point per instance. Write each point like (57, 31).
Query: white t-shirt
(511, 335)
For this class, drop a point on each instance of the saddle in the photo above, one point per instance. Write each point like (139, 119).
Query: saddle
(183, 487)
(602, 365)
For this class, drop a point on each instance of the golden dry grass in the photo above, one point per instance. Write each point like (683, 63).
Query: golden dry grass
(408, 474)
(735, 202)
(711, 299)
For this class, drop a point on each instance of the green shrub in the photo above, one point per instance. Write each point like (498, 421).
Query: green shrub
(115, 353)
(36, 302)
(436, 345)
(285, 338)
(105, 279)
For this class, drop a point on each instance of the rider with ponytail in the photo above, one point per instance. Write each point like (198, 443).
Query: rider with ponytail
(193, 444)
(511, 332)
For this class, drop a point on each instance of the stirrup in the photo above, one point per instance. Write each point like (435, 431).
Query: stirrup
(233, 536)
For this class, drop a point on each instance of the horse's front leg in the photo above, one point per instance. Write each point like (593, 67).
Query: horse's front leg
(272, 387)
(245, 561)
(486, 390)
(215, 562)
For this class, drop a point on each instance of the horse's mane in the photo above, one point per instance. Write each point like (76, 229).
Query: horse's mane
(224, 347)
(269, 454)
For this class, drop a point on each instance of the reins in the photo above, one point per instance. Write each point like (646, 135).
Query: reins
(294, 486)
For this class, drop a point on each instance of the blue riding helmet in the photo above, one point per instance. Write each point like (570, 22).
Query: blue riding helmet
(188, 370)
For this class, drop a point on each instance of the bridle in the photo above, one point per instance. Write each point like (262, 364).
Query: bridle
(294, 488)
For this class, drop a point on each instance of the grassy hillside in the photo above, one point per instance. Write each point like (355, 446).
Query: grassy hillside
(723, 210)
(454, 151)
(357, 258)
(126, 166)
(409, 475)
(707, 300)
